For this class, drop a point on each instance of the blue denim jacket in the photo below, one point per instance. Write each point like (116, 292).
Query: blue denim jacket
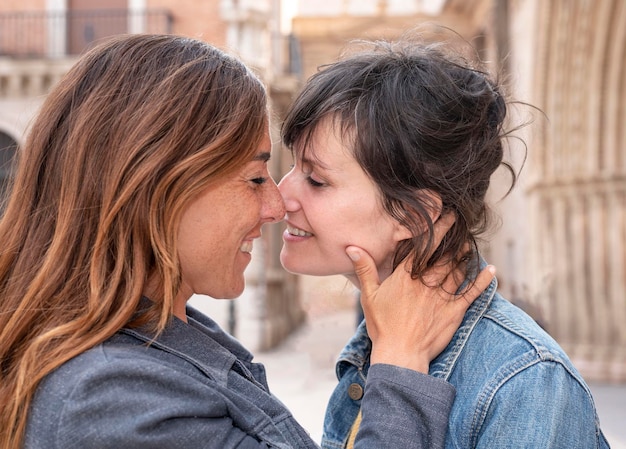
(516, 388)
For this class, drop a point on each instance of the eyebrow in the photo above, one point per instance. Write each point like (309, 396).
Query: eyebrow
(263, 157)
(316, 163)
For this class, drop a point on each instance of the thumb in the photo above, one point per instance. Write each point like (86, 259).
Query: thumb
(365, 269)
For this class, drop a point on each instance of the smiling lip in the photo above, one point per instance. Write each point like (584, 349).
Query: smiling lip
(247, 244)
(297, 232)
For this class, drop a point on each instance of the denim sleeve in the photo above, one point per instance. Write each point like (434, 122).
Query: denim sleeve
(542, 406)
(402, 408)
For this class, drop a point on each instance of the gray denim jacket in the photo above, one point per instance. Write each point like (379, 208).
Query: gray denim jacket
(196, 387)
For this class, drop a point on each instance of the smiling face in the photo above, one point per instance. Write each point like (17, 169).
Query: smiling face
(218, 227)
(331, 204)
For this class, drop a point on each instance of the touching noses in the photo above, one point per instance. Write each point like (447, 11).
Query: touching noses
(286, 188)
(274, 205)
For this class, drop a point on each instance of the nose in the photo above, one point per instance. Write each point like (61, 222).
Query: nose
(274, 207)
(287, 190)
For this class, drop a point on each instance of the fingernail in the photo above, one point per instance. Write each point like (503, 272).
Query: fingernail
(352, 254)
(491, 269)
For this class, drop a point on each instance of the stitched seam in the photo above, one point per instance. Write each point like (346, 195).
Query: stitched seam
(486, 397)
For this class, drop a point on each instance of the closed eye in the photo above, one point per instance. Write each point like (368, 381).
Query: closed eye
(260, 180)
(313, 182)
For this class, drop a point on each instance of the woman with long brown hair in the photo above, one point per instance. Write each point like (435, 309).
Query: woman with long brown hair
(144, 181)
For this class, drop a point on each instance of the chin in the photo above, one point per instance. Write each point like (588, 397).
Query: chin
(318, 265)
(293, 269)
(288, 264)
(235, 291)
(296, 265)
(311, 269)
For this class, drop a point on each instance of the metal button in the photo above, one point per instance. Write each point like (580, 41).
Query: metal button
(355, 391)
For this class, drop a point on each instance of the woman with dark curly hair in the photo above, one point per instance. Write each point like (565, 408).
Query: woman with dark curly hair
(388, 142)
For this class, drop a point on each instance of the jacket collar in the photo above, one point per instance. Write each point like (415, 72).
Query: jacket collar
(358, 349)
(444, 363)
(203, 343)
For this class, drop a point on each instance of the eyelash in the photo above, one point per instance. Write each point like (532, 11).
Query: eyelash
(313, 182)
(260, 180)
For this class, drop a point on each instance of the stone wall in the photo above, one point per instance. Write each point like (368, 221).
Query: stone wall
(577, 190)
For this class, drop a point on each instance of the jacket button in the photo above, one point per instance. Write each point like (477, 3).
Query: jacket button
(355, 391)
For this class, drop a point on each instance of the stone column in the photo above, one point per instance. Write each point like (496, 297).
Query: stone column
(577, 192)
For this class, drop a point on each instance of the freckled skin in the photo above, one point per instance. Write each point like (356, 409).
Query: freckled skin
(218, 222)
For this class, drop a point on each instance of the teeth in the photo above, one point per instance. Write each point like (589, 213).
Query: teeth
(298, 232)
(246, 247)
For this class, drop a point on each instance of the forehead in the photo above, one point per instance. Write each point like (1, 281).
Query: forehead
(326, 138)
(263, 151)
(261, 156)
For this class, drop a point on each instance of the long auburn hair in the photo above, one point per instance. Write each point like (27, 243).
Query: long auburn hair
(137, 128)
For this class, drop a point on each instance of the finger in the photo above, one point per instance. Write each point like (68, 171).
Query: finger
(365, 269)
(481, 282)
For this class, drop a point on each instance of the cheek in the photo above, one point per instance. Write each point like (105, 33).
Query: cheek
(341, 235)
(353, 221)
(378, 239)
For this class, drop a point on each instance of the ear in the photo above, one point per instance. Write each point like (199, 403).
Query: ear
(433, 205)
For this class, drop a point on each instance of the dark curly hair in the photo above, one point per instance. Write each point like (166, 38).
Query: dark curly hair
(423, 123)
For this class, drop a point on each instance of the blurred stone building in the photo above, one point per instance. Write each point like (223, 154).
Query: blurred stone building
(561, 247)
